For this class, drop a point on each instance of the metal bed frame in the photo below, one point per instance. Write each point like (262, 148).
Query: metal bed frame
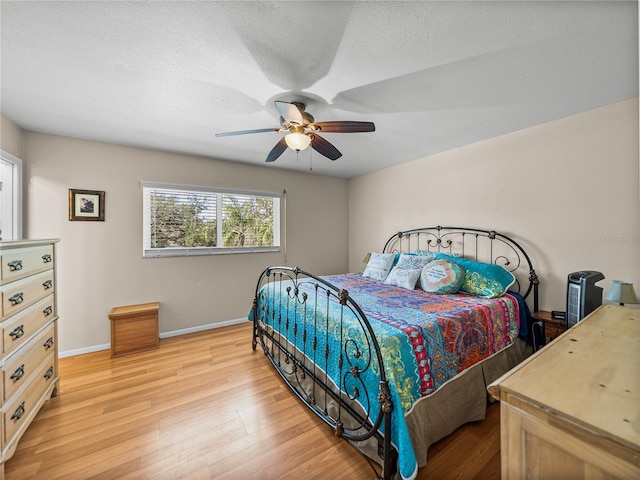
(293, 344)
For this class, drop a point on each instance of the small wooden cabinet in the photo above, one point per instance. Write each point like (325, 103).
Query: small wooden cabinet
(571, 411)
(134, 328)
(28, 337)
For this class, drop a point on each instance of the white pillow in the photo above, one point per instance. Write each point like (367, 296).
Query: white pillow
(379, 266)
(407, 271)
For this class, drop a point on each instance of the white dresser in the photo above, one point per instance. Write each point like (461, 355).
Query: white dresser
(28, 336)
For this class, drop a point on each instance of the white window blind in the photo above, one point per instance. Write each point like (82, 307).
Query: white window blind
(186, 220)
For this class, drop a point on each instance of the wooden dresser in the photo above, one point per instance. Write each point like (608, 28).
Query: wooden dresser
(572, 410)
(29, 350)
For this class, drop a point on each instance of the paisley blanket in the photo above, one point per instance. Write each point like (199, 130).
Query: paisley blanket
(425, 339)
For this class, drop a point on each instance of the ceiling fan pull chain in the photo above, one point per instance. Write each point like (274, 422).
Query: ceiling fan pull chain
(310, 166)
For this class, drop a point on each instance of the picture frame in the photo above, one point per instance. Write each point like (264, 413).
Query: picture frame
(86, 205)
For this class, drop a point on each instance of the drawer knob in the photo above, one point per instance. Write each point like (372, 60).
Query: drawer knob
(18, 374)
(46, 258)
(49, 343)
(17, 299)
(47, 284)
(15, 265)
(49, 373)
(17, 332)
(17, 415)
(48, 311)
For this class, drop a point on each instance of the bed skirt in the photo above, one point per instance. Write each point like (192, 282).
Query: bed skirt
(461, 400)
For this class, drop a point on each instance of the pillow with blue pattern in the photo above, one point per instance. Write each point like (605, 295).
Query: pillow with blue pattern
(423, 253)
(407, 271)
(379, 266)
(483, 279)
(426, 253)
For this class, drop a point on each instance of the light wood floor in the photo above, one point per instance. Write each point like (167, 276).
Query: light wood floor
(206, 406)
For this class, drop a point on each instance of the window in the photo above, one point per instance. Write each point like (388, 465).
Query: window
(185, 220)
(10, 196)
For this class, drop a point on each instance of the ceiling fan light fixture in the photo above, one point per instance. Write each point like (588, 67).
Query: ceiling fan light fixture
(297, 141)
(303, 131)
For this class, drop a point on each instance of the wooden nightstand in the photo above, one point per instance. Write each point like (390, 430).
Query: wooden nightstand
(552, 326)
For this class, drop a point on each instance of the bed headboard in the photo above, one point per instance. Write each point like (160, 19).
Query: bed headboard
(486, 246)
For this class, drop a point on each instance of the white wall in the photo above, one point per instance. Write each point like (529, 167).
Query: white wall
(100, 264)
(568, 191)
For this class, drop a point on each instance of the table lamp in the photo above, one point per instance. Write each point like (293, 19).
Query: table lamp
(621, 292)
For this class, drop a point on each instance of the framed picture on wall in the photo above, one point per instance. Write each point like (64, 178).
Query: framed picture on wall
(86, 205)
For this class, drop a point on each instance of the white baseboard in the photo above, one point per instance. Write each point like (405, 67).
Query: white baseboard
(81, 351)
(173, 333)
(200, 328)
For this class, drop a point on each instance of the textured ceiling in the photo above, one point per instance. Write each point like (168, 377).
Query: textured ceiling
(432, 76)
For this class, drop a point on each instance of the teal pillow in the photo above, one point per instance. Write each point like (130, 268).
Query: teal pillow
(483, 279)
(441, 276)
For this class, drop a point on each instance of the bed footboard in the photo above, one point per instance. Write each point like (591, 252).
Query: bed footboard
(321, 343)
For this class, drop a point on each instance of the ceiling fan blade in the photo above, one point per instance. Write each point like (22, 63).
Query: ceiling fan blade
(246, 132)
(325, 148)
(290, 112)
(345, 127)
(276, 151)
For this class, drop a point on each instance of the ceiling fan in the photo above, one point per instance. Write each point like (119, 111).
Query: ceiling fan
(304, 131)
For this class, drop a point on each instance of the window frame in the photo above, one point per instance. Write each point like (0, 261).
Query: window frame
(15, 210)
(148, 252)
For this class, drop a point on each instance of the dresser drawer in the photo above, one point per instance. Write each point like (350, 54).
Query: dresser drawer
(23, 407)
(21, 366)
(22, 262)
(17, 329)
(19, 295)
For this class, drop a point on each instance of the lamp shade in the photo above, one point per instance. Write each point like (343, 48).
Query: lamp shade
(621, 292)
(297, 141)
